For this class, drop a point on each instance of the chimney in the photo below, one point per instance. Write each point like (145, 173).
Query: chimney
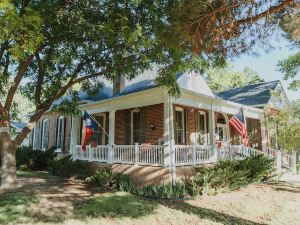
(118, 84)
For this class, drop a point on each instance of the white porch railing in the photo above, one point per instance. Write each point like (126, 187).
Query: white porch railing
(126, 154)
(154, 154)
(194, 154)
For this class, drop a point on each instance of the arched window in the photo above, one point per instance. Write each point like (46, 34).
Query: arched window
(221, 119)
(45, 134)
(60, 133)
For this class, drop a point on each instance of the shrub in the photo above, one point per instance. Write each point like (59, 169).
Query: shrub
(67, 167)
(232, 175)
(106, 178)
(29, 159)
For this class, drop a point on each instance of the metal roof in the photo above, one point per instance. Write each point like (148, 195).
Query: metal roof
(256, 95)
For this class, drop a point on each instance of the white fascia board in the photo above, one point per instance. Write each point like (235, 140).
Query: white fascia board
(138, 99)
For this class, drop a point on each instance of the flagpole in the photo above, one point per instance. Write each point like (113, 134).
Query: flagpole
(94, 119)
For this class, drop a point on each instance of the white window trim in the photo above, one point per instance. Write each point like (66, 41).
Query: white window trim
(180, 109)
(131, 123)
(60, 118)
(43, 132)
(33, 138)
(205, 125)
(104, 125)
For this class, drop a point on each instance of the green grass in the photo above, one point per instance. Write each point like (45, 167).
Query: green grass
(14, 206)
(117, 204)
(37, 174)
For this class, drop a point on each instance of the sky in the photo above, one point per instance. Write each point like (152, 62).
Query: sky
(265, 63)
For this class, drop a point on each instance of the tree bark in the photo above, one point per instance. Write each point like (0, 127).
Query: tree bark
(8, 162)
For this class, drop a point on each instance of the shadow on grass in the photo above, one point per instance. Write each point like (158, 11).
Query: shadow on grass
(117, 205)
(210, 214)
(14, 206)
(38, 174)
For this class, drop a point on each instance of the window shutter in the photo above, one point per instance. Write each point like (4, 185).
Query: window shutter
(142, 126)
(127, 127)
(186, 126)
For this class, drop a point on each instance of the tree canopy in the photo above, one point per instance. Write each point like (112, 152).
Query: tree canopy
(222, 79)
(290, 66)
(47, 47)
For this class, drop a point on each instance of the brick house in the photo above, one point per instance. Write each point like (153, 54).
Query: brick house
(152, 136)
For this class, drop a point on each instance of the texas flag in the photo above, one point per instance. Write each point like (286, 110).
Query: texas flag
(88, 126)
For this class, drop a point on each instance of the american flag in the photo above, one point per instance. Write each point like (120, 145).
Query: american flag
(239, 124)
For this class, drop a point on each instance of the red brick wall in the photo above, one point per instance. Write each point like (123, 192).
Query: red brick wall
(120, 127)
(154, 115)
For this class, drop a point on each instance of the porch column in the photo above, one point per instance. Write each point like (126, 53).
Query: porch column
(75, 125)
(263, 137)
(211, 121)
(169, 143)
(111, 138)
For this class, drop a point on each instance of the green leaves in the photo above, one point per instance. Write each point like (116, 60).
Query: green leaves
(290, 67)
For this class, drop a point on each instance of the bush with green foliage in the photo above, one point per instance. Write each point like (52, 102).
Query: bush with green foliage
(29, 159)
(67, 167)
(106, 178)
(232, 175)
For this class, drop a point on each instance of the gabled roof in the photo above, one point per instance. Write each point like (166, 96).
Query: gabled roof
(255, 95)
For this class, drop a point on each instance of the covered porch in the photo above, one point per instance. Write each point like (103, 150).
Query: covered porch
(154, 129)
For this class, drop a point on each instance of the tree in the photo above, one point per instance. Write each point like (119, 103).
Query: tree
(47, 47)
(290, 66)
(287, 124)
(221, 79)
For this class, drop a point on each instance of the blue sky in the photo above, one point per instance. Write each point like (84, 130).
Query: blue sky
(265, 63)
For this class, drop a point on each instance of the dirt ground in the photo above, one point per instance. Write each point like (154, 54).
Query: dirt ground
(48, 201)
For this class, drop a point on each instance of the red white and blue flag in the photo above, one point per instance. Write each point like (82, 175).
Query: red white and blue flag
(88, 126)
(239, 124)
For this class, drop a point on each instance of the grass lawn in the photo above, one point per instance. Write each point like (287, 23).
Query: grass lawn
(45, 199)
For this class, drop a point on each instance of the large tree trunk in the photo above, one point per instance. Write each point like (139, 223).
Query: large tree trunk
(8, 162)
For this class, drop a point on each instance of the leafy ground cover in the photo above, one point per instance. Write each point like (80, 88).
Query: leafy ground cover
(45, 199)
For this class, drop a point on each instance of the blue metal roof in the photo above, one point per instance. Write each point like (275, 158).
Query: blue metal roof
(256, 95)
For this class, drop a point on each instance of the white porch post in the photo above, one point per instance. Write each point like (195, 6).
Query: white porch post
(211, 122)
(111, 138)
(75, 125)
(169, 143)
(263, 138)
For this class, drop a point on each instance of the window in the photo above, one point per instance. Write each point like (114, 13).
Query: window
(179, 126)
(201, 136)
(45, 134)
(138, 125)
(99, 135)
(60, 133)
(35, 136)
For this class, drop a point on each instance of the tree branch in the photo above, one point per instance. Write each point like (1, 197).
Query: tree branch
(39, 82)
(28, 128)
(21, 72)
(271, 10)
